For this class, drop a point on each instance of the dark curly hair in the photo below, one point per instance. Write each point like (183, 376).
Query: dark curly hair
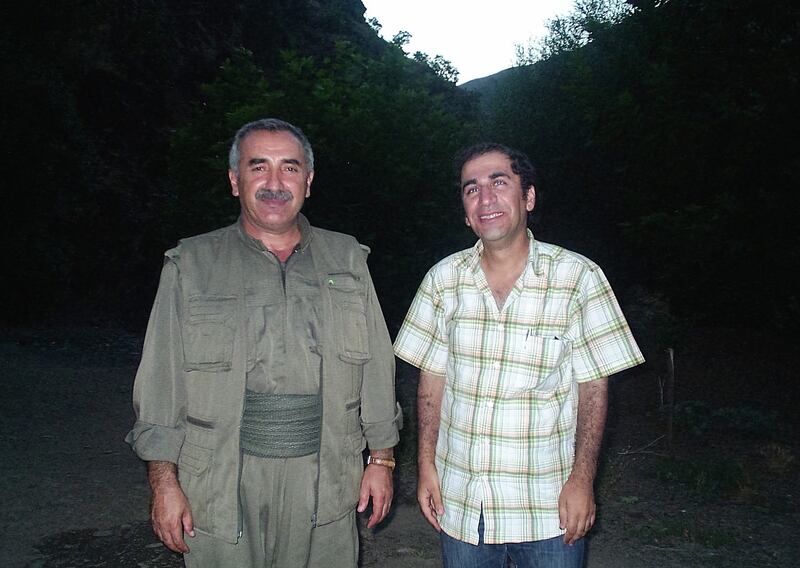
(520, 163)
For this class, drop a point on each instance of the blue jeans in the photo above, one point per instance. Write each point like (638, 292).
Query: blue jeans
(549, 553)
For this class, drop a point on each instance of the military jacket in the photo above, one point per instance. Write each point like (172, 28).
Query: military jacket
(189, 388)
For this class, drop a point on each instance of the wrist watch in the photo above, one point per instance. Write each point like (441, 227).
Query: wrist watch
(386, 462)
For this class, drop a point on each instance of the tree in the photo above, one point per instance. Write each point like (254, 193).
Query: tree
(441, 66)
(401, 39)
(574, 30)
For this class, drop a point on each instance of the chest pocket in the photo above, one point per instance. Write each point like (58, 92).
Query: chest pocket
(536, 363)
(350, 317)
(208, 333)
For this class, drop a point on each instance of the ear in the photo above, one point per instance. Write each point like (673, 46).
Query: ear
(466, 220)
(309, 179)
(530, 199)
(234, 179)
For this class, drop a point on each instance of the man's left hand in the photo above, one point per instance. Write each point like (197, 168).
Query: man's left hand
(377, 484)
(576, 509)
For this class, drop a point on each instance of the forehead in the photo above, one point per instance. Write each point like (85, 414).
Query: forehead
(267, 144)
(486, 164)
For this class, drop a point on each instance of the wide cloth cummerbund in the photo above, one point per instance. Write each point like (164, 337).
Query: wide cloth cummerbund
(281, 425)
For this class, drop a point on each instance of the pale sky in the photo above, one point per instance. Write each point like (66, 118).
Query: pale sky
(476, 36)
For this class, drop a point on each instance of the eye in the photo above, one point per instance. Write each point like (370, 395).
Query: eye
(499, 181)
(470, 189)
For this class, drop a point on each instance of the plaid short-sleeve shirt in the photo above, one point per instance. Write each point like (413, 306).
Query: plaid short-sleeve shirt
(509, 409)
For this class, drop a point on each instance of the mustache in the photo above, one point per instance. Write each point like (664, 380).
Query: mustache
(265, 194)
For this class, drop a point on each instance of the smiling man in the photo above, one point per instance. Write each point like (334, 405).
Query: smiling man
(267, 368)
(515, 340)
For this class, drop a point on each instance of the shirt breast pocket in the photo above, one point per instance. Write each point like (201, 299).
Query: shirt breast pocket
(350, 317)
(537, 363)
(208, 333)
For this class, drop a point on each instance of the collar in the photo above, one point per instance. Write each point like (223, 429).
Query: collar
(306, 235)
(473, 256)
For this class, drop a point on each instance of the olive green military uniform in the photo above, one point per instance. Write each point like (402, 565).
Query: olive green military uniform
(230, 317)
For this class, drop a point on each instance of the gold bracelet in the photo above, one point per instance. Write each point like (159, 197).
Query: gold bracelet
(386, 462)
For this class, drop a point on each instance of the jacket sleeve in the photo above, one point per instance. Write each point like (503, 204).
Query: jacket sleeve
(381, 416)
(159, 394)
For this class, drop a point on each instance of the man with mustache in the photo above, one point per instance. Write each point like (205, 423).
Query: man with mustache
(515, 340)
(267, 369)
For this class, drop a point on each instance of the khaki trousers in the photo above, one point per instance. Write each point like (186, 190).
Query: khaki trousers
(278, 501)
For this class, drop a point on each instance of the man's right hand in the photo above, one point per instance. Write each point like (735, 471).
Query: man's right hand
(429, 407)
(429, 495)
(170, 512)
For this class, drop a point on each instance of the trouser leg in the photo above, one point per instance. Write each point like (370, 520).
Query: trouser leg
(335, 544)
(459, 554)
(278, 500)
(209, 552)
(548, 553)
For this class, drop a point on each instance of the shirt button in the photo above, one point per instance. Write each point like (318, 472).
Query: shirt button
(497, 364)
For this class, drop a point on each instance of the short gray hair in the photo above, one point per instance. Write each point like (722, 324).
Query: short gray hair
(269, 125)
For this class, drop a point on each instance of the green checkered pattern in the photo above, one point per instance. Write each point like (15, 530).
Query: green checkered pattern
(509, 410)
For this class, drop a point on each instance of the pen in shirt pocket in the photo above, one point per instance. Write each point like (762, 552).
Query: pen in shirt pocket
(528, 334)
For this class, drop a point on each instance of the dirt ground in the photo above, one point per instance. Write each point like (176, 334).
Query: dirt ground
(73, 495)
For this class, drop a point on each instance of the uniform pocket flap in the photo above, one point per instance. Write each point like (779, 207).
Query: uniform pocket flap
(211, 308)
(344, 282)
(354, 357)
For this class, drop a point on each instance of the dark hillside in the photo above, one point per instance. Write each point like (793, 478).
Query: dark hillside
(664, 146)
(98, 95)
(665, 151)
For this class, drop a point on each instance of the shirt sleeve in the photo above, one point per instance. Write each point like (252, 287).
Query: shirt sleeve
(159, 394)
(422, 340)
(602, 341)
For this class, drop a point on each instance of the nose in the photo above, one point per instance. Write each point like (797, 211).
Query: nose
(486, 193)
(274, 178)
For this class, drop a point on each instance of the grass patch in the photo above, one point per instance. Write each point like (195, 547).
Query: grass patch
(710, 476)
(673, 531)
(778, 458)
(699, 418)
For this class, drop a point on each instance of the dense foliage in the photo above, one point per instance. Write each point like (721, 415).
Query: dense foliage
(663, 134)
(127, 110)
